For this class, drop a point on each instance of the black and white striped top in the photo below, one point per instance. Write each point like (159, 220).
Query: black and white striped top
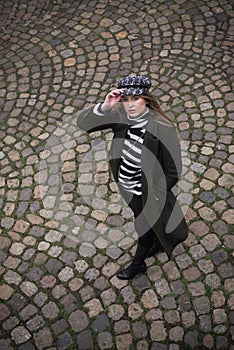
(130, 165)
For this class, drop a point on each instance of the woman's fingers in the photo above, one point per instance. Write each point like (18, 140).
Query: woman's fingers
(115, 93)
(112, 98)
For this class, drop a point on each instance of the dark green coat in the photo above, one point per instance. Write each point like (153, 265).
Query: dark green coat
(161, 169)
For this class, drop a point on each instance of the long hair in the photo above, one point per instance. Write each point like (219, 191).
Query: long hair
(153, 104)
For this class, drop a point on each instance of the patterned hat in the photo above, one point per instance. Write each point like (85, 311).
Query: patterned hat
(134, 86)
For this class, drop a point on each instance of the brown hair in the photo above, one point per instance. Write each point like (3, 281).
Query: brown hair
(153, 104)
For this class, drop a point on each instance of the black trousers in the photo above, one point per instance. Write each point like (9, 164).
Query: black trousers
(146, 235)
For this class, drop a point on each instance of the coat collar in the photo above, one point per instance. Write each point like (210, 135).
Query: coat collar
(155, 120)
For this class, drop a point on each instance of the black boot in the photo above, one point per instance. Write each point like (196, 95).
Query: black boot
(137, 266)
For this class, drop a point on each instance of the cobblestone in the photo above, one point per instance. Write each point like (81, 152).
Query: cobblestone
(65, 231)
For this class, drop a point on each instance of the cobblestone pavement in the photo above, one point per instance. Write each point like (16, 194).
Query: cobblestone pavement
(65, 231)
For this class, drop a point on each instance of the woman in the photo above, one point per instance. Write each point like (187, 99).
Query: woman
(146, 163)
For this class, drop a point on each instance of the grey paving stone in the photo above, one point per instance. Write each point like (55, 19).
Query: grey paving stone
(207, 197)
(101, 323)
(53, 266)
(184, 303)
(60, 326)
(34, 274)
(27, 312)
(141, 283)
(50, 310)
(18, 301)
(64, 341)
(35, 323)
(105, 340)
(78, 321)
(168, 303)
(85, 340)
(191, 339)
(69, 303)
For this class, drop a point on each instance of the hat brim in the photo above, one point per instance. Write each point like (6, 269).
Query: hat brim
(133, 91)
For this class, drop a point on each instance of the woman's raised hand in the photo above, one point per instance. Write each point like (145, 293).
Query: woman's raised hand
(111, 99)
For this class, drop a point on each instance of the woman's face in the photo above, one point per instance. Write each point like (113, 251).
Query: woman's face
(134, 105)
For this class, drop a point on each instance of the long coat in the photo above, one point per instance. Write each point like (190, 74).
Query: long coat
(161, 169)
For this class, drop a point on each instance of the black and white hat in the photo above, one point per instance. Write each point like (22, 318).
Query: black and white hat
(134, 85)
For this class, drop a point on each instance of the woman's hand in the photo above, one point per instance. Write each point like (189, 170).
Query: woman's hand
(111, 99)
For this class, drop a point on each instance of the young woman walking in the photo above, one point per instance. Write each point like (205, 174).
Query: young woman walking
(145, 159)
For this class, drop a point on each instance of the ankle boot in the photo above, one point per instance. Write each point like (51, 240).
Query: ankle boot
(137, 266)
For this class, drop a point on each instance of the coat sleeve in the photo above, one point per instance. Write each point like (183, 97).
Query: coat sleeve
(170, 158)
(92, 119)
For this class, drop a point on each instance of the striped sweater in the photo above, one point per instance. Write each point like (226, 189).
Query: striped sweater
(130, 165)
